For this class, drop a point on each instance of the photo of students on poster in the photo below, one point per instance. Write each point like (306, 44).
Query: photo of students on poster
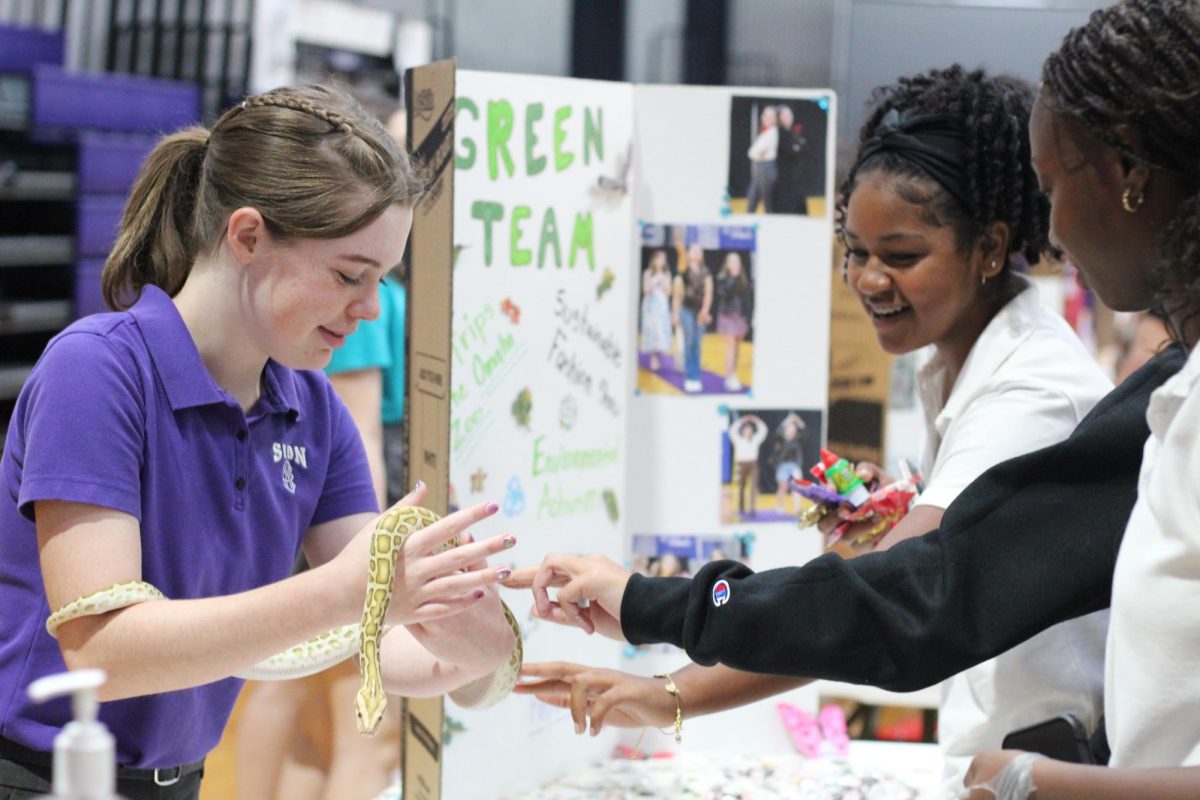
(777, 155)
(696, 309)
(761, 451)
(661, 556)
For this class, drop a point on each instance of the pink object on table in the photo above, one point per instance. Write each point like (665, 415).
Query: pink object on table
(833, 728)
(802, 727)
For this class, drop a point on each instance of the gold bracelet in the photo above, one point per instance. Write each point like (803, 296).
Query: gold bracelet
(674, 690)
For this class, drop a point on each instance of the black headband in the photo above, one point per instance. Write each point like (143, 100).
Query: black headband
(931, 142)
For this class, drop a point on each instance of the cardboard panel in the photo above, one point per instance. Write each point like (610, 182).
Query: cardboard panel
(430, 93)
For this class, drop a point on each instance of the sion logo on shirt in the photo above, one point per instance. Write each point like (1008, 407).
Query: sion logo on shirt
(289, 454)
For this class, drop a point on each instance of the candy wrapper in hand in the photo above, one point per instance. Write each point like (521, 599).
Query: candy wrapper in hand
(838, 486)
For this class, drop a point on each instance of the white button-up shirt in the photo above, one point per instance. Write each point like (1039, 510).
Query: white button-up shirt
(765, 145)
(1152, 686)
(1026, 384)
(745, 448)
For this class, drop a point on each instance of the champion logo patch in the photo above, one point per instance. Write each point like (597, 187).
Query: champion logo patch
(720, 593)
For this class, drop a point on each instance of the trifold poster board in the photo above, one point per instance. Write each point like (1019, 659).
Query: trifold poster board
(559, 376)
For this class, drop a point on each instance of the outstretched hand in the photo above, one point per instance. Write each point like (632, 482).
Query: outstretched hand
(590, 589)
(477, 639)
(599, 696)
(430, 582)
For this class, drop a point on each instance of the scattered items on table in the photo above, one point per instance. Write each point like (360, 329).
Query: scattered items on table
(712, 776)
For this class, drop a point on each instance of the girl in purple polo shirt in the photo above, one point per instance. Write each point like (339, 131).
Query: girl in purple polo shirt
(191, 441)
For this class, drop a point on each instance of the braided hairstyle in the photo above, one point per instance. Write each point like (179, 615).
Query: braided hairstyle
(310, 159)
(1137, 64)
(1001, 185)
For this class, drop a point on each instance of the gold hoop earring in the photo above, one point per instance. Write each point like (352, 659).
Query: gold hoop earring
(1131, 202)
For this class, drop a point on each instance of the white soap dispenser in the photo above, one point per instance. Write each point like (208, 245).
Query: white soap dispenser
(84, 752)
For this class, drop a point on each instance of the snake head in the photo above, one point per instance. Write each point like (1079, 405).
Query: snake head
(369, 706)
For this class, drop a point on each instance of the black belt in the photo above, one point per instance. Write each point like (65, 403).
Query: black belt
(162, 776)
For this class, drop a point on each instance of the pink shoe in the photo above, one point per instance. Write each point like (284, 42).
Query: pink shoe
(833, 727)
(803, 728)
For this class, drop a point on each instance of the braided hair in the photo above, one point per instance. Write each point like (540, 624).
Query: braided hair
(1137, 64)
(993, 113)
(310, 159)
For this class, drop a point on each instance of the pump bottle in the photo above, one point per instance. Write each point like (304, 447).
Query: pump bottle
(85, 752)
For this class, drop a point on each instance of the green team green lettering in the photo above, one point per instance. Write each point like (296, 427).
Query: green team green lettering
(581, 239)
(593, 134)
(500, 128)
(487, 212)
(562, 158)
(467, 160)
(549, 238)
(518, 256)
(533, 164)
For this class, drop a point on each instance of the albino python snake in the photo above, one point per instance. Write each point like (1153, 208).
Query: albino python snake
(332, 647)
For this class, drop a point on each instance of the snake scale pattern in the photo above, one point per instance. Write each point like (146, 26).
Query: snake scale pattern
(332, 647)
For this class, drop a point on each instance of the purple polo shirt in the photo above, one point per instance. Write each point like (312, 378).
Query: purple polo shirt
(121, 412)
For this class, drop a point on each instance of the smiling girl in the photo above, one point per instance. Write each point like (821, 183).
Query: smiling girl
(941, 196)
(189, 440)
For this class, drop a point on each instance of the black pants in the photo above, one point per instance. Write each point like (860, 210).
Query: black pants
(26, 781)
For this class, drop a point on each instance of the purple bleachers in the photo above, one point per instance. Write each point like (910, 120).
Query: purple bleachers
(96, 221)
(21, 48)
(109, 162)
(88, 299)
(62, 99)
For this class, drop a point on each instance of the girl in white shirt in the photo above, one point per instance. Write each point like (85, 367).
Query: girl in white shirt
(762, 163)
(1006, 376)
(747, 436)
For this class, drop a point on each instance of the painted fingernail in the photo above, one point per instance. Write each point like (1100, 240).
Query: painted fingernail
(492, 508)
(509, 541)
(503, 573)
(479, 594)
